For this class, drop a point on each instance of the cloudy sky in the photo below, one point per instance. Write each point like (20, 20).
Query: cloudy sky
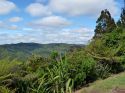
(52, 21)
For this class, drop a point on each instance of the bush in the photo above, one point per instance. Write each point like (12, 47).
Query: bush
(109, 50)
(81, 67)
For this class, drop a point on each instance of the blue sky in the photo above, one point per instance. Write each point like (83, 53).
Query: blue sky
(52, 21)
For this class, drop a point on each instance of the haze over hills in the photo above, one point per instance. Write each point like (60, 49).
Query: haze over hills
(22, 51)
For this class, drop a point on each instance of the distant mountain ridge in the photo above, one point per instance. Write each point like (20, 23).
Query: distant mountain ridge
(21, 51)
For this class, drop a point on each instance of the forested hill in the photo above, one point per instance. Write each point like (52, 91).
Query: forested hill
(22, 51)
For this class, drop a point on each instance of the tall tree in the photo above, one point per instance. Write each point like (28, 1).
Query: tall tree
(105, 23)
(121, 22)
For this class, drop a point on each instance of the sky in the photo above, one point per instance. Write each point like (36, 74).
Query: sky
(52, 21)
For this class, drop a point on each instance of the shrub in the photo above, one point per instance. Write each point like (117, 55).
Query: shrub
(81, 67)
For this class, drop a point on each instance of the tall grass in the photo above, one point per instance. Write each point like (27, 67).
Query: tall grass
(56, 79)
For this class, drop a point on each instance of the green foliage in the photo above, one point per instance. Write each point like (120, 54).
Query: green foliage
(7, 67)
(109, 49)
(3, 89)
(8, 70)
(36, 62)
(57, 79)
(81, 67)
(54, 54)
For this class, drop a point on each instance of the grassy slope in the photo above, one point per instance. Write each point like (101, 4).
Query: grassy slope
(105, 86)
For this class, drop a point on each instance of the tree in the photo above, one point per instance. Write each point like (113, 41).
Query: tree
(121, 22)
(105, 23)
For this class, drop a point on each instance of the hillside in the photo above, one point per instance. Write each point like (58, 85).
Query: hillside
(22, 51)
(114, 83)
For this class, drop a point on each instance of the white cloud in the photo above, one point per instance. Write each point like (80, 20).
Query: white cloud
(15, 19)
(6, 7)
(14, 38)
(37, 9)
(13, 27)
(82, 7)
(4, 25)
(50, 22)
(71, 36)
(72, 7)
